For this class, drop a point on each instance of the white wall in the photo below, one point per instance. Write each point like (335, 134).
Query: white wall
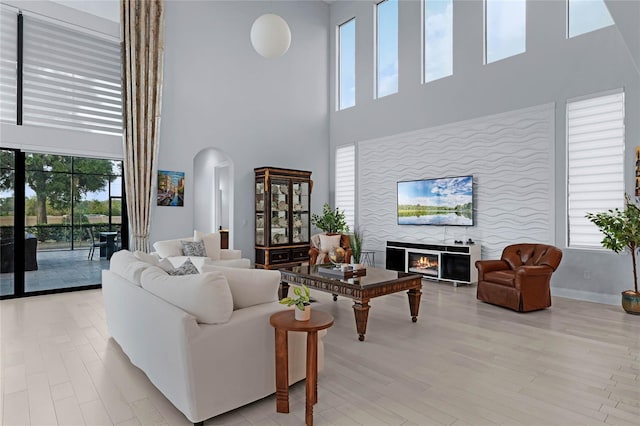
(219, 93)
(552, 70)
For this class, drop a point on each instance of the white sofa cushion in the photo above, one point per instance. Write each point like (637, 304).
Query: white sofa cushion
(211, 243)
(205, 296)
(154, 260)
(125, 264)
(168, 248)
(249, 287)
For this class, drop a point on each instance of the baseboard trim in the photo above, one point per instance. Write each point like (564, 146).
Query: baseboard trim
(589, 296)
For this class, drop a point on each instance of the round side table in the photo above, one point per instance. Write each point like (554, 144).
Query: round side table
(283, 322)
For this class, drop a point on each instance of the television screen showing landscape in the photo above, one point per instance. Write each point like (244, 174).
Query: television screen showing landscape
(445, 201)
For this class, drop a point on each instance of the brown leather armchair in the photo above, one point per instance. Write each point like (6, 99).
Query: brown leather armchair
(315, 251)
(520, 279)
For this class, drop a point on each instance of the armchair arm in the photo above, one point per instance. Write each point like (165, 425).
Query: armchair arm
(485, 266)
(533, 276)
(228, 254)
(313, 255)
(348, 256)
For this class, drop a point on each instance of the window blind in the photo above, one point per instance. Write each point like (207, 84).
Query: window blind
(71, 78)
(595, 160)
(346, 182)
(8, 64)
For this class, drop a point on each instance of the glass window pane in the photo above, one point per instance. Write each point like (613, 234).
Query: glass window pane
(47, 163)
(438, 39)
(7, 221)
(505, 26)
(387, 45)
(116, 186)
(587, 15)
(347, 64)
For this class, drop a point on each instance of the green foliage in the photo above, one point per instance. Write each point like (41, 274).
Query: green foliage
(300, 301)
(50, 177)
(356, 245)
(330, 220)
(621, 229)
(465, 210)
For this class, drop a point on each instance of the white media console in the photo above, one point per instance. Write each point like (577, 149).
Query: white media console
(445, 262)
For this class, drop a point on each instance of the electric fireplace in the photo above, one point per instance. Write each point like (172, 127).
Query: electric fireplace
(426, 264)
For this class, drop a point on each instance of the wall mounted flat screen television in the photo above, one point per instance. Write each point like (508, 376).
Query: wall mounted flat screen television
(443, 201)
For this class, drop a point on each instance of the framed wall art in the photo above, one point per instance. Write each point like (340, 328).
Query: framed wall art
(170, 188)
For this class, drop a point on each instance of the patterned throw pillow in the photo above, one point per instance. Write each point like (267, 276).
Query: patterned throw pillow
(187, 268)
(193, 248)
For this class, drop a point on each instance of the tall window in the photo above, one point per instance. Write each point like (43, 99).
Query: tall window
(595, 163)
(438, 39)
(347, 64)
(387, 48)
(505, 28)
(346, 182)
(586, 15)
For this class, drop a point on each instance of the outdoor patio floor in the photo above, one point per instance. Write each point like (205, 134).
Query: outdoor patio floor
(59, 269)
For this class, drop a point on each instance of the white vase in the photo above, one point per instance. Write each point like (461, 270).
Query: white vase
(303, 315)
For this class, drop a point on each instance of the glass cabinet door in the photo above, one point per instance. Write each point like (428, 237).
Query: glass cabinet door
(260, 212)
(300, 208)
(279, 211)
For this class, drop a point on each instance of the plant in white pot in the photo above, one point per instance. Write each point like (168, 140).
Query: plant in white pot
(621, 229)
(356, 247)
(301, 301)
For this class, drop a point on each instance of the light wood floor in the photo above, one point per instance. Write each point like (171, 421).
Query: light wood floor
(463, 363)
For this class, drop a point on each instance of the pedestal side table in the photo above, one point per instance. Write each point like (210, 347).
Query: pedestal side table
(283, 322)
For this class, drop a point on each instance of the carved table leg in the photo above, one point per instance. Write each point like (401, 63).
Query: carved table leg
(414, 302)
(361, 312)
(283, 290)
(335, 297)
(282, 372)
(312, 376)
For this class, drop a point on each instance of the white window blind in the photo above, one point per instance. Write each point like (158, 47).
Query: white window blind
(595, 159)
(71, 78)
(8, 63)
(346, 183)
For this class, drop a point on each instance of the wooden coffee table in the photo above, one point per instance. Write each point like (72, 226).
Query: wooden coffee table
(377, 282)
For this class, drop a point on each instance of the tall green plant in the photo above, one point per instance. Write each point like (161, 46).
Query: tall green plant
(621, 229)
(356, 245)
(330, 220)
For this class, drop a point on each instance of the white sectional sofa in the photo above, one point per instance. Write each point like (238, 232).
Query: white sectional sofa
(204, 369)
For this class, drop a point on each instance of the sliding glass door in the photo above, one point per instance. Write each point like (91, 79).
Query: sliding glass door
(71, 213)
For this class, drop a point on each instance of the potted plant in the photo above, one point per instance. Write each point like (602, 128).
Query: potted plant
(621, 229)
(356, 246)
(301, 301)
(331, 221)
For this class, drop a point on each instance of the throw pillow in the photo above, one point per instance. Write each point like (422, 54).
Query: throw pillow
(249, 286)
(193, 248)
(168, 248)
(328, 242)
(149, 258)
(126, 265)
(187, 268)
(206, 296)
(211, 243)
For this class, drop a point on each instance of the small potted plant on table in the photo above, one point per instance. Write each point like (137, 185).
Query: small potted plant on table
(301, 301)
(621, 229)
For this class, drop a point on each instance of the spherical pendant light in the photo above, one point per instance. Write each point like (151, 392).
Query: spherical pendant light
(270, 35)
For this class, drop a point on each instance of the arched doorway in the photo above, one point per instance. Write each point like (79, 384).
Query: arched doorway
(213, 191)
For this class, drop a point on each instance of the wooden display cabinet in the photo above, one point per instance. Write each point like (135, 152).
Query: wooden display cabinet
(282, 217)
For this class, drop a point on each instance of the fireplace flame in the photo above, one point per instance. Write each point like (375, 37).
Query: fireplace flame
(426, 262)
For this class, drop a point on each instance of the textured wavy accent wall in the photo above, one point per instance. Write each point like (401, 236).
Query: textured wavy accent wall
(511, 158)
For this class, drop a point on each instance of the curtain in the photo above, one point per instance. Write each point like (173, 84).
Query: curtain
(141, 34)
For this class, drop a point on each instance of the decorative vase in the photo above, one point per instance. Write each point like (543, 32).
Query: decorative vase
(303, 315)
(631, 302)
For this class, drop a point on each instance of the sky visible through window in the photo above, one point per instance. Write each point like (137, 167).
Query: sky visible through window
(387, 48)
(588, 15)
(506, 25)
(347, 65)
(438, 39)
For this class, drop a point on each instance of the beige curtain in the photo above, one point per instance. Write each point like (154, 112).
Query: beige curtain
(142, 45)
